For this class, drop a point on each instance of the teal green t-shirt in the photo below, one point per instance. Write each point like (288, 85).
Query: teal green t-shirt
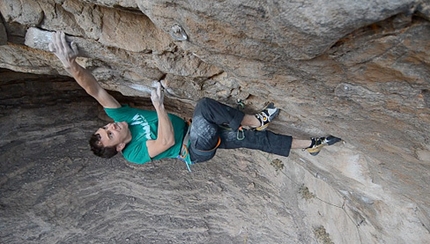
(143, 126)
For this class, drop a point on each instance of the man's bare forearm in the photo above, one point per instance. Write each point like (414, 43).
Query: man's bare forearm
(87, 81)
(67, 54)
(84, 78)
(165, 134)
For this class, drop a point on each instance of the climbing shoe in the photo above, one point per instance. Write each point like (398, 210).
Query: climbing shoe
(319, 142)
(266, 116)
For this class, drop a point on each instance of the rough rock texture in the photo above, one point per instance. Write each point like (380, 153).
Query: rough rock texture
(357, 70)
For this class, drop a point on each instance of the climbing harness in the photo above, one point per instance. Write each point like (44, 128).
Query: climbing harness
(206, 153)
(184, 155)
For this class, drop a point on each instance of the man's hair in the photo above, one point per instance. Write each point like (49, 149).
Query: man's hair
(98, 148)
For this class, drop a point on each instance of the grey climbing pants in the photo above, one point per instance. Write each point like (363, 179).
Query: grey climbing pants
(213, 120)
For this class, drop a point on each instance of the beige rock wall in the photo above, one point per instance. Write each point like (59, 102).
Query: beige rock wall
(357, 70)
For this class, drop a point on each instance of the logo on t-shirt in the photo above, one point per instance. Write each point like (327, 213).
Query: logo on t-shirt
(140, 120)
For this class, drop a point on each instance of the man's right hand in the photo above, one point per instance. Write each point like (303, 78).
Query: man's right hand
(60, 47)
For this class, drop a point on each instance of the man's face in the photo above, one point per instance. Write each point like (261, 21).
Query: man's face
(113, 134)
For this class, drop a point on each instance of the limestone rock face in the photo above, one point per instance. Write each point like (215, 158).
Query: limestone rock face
(356, 70)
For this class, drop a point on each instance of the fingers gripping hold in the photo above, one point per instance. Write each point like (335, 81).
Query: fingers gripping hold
(53, 44)
(74, 47)
(62, 41)
(51, 47)
(160, 92)
(157, 95)
(65, 52)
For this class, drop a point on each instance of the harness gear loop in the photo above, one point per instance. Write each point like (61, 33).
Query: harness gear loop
(207, 152)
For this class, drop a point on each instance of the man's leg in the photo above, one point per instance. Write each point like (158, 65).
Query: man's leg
(300, 144)
(270, 142)
(208, 116)
(210, 121)
(265, 141)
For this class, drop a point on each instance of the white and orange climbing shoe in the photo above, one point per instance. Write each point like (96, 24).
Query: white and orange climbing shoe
(319, 142)
(266, 116)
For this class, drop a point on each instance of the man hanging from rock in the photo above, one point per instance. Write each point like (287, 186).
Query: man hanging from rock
(142, 135)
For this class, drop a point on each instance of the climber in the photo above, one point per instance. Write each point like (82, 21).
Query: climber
(142, 135)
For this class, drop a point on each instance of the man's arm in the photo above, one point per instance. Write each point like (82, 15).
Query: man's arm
(67, 55)
(165, 135)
